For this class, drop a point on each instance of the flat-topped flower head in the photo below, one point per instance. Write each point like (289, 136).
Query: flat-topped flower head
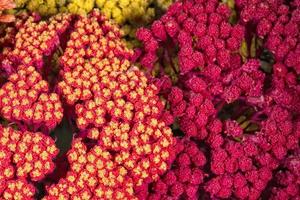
(26, 98)
(24, 156)
(118, 113)
(93, 53)
(184, 178)
(106, 172)
(288, 185)
(37, 38)
(201, 32)
(277, 23)
(18, 189)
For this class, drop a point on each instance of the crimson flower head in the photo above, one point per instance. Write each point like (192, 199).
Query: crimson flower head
(185, 177)
(25, 158)
(26, 98)
(122, 140)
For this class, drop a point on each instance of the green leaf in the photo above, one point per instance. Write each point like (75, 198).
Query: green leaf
(63, 134)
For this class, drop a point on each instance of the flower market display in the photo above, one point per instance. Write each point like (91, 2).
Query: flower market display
(150, 100)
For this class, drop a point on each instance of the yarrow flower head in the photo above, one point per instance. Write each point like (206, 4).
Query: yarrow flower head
(117, 109)
(248, 80)
(288, 180)
(200, 30)
(25, 158)
(185, 177)
(277, 24)
(25, 98)
(81, 80)
(36, 39)
(246, 160)
(207, 52)
(99, 173)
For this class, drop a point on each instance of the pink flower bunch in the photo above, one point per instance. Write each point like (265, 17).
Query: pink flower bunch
(288, 179)
(183, 179)
(244, 162)
(193, 109)
(201, 32)
(279, 133)
(245, 112)
(284, 89)
(241, 169)
(278, 24)
(246, 81)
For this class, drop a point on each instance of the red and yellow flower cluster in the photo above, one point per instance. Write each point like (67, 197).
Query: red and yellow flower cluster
(122, 142)
(25, 157)
(93, 54)
(93, 175)
(25, 98)
(36, 39)
(104, 174)
(119, 112)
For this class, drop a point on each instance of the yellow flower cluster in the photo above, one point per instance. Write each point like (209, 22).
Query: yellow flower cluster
(43, 7)
(129, 14)
(127, 10)
(164, 4)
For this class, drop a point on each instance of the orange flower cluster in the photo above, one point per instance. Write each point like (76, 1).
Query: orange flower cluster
(6, 4)
(117, 109)
(23, 156)
(25, 98)
(36, 39)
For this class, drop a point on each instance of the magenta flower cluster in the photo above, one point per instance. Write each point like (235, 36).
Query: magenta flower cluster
(277, 24)
(239, 111)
